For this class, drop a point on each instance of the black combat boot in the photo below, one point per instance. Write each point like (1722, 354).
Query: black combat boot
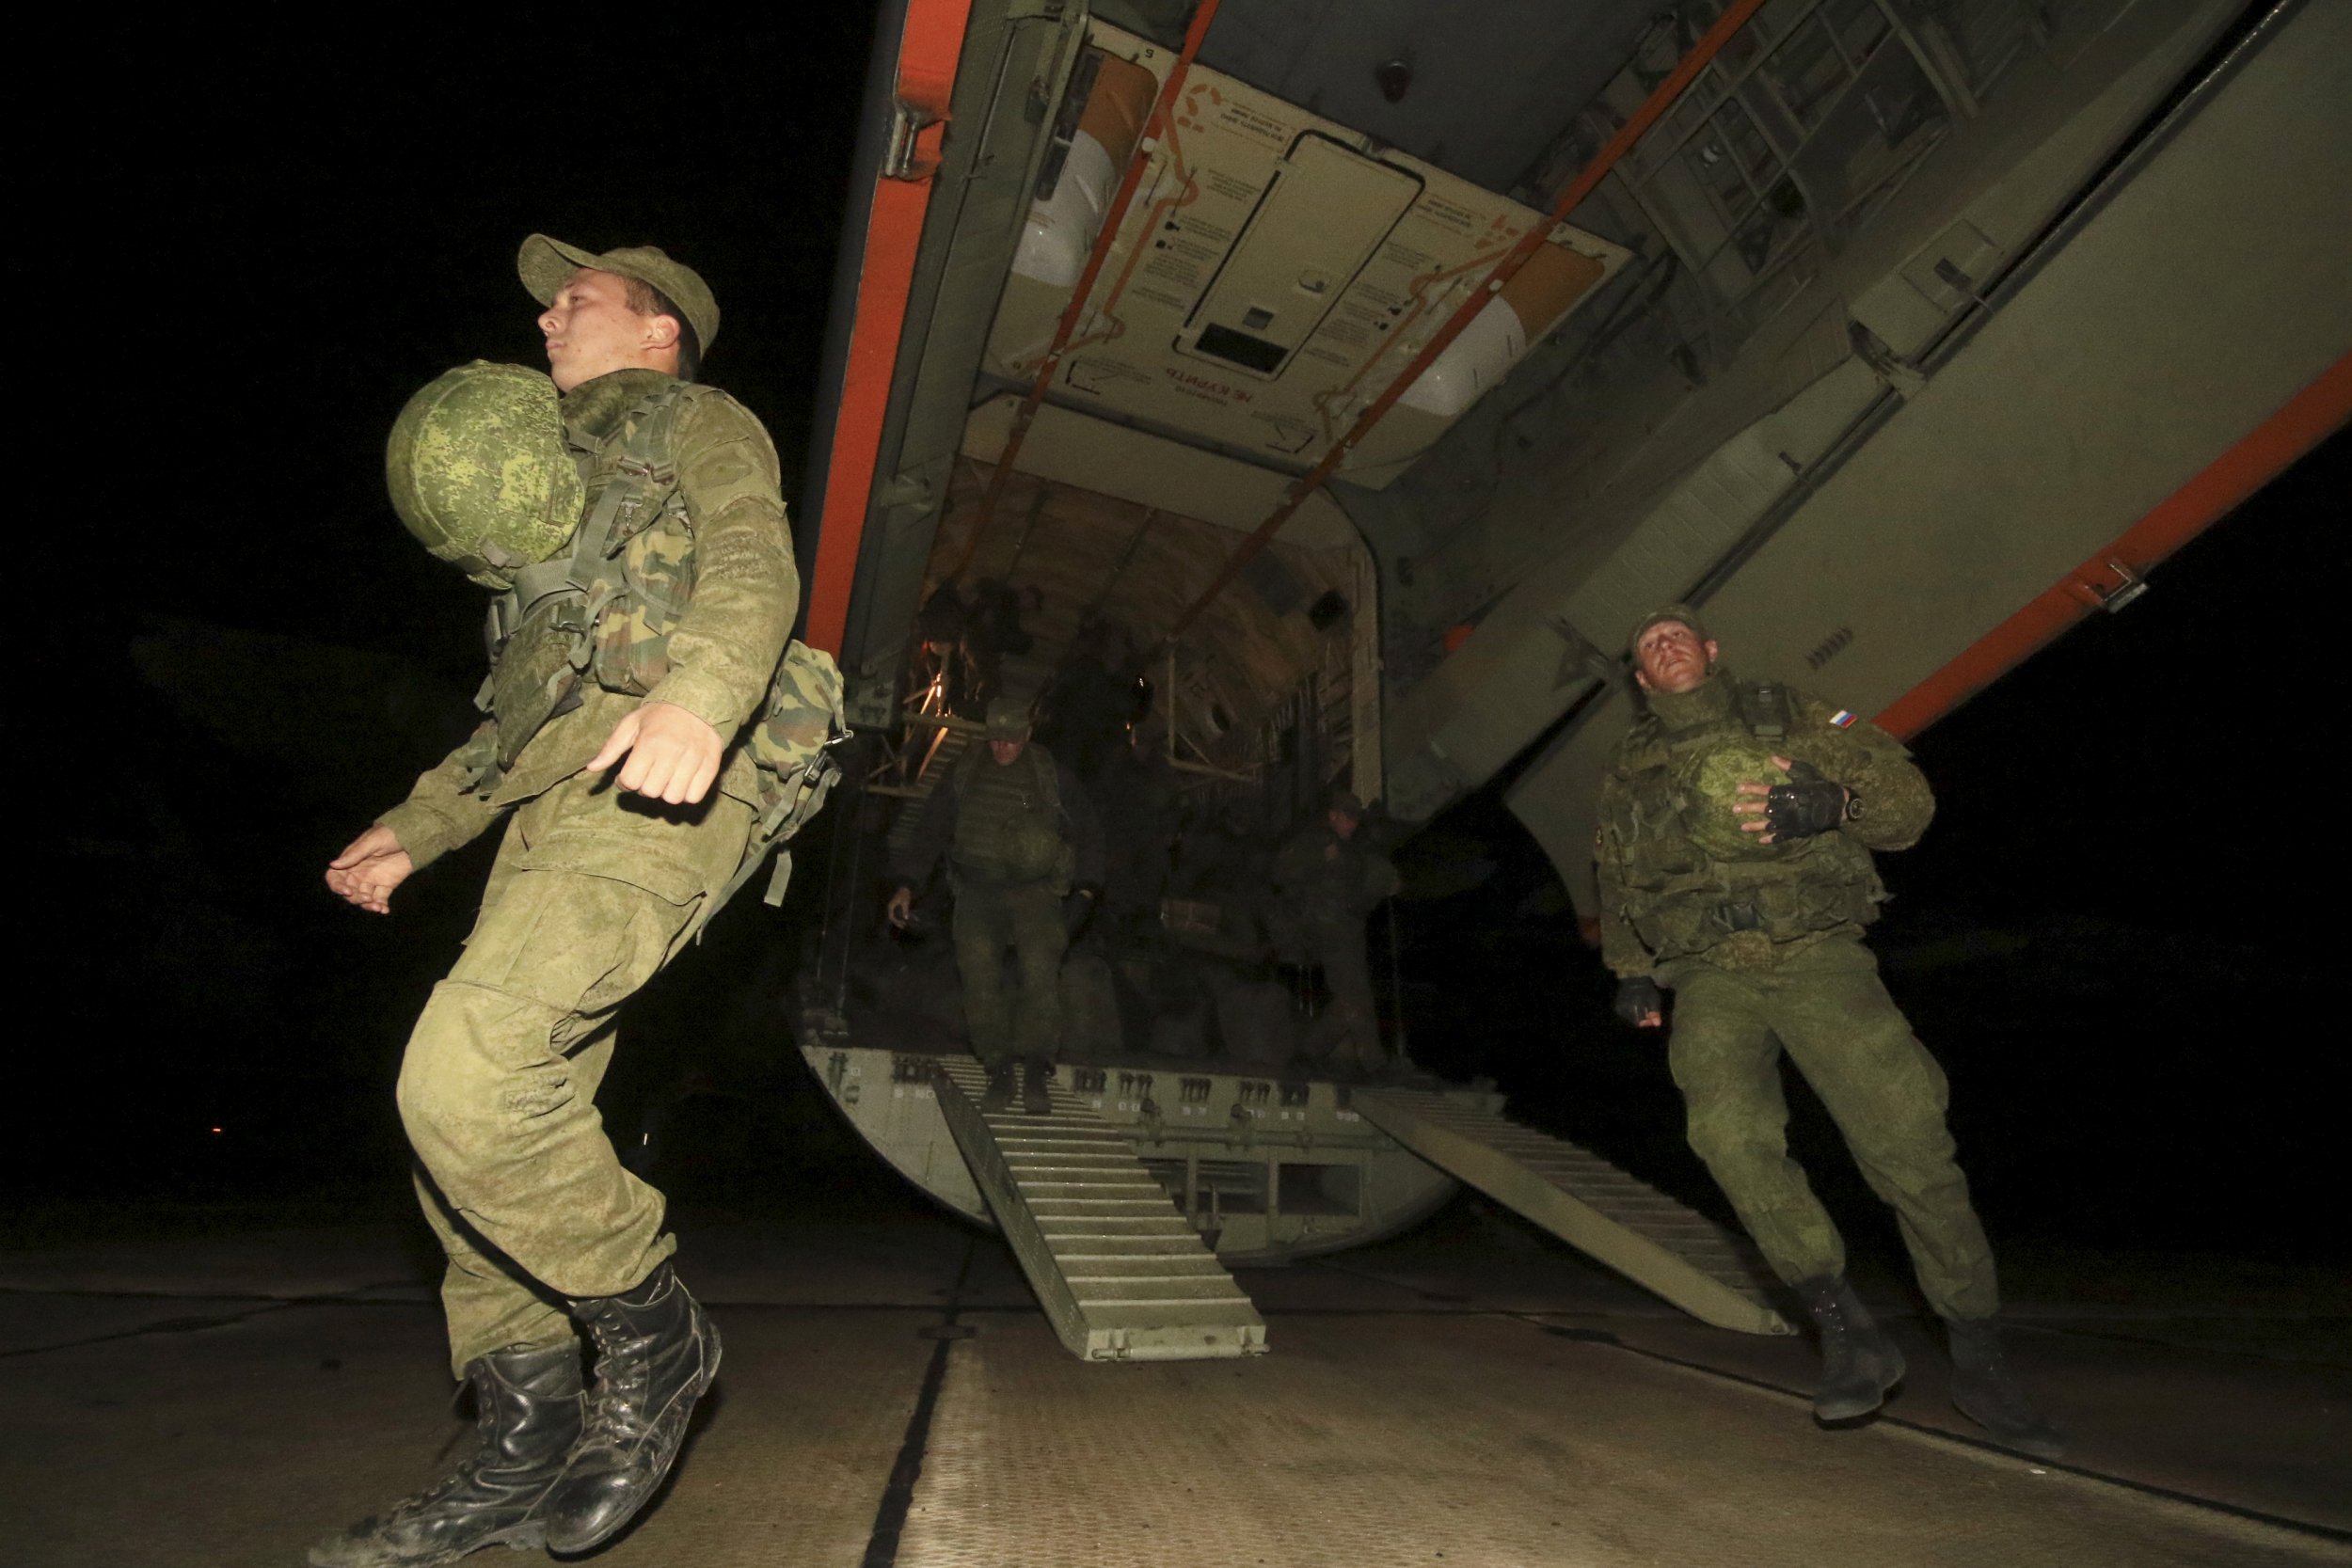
(1986, 1391)
(1035, 1099)
(657, 1353)
(526, 1418)
(1859, 1363)
(1001, 1087)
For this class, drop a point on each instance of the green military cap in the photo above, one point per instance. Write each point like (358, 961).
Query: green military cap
(1347, 805)
(545, 264)
(1008, 718)
(1682, 613)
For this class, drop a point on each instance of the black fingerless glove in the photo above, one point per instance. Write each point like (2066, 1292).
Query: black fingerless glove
(1637, 999)
(1805, 805)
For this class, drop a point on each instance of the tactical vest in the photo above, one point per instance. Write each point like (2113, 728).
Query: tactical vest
(1007, 826)
(604, 611)
(1683, 900)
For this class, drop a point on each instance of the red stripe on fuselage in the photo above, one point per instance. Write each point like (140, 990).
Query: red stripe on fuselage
(2267, 451)
(927, 51)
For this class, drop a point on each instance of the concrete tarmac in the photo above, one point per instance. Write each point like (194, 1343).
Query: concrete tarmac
(1472, 1393)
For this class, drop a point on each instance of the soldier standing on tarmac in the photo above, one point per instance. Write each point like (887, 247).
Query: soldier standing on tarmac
(1024, 858)
(1327, 880)
(1738, 821)
(616, 849)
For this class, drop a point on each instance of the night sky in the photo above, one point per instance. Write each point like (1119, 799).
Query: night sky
(2118, 936)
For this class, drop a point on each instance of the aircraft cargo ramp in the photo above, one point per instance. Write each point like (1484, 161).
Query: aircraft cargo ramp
(1468, 1394)
(1585, 1201)
(1120, 1274)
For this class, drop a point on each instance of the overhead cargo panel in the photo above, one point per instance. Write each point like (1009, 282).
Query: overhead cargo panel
(1273, 275)
(1327, 212)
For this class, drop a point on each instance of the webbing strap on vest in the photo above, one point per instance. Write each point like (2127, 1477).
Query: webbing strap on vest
(572, 591)
(632, 499)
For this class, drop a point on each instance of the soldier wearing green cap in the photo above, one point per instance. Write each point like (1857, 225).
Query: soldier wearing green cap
(1024, 859)
(1329, 877)
(1738, 822)
(616, 755)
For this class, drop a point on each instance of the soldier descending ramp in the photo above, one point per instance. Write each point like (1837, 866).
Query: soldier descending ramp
(1121, 1274)
(1585, 1201)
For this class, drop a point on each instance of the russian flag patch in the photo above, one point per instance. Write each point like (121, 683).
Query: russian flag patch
(1841, 718)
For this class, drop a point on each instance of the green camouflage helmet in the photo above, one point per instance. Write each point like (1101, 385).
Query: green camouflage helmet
(1711, 782)
(1034, 849)
(479, 471)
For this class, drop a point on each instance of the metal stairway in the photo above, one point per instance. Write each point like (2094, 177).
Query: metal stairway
(1121, 1274)
(951, 745)
(1585, 1201)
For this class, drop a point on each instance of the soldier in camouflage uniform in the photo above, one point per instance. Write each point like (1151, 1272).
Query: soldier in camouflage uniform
(1748, 900)
(1327, 880)
(614, 756)
(1025, 857)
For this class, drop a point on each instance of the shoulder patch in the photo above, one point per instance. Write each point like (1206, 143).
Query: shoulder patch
(1842, 718)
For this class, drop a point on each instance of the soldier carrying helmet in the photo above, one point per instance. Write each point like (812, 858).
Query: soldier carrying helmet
(646, 740)
(1738, 821)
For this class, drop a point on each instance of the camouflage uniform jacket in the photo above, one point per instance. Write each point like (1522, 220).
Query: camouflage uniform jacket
(1664, 897)
(1321, 878)
(935, 830)
(729, 558)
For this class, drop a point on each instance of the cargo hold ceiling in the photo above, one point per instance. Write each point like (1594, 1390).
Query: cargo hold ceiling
(1482, 91)
(1274, 273)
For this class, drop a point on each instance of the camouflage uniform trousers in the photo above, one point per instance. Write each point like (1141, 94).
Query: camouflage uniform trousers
(1027, 917)
(1348, 1028)
(1827, 1008)
(592, 891)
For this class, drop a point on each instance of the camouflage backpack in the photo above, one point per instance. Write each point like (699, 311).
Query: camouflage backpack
(793, 742)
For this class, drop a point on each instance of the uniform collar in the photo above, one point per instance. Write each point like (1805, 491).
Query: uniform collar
(594, 408)
(1704, 704)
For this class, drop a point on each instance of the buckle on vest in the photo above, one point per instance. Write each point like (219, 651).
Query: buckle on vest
(1743, 916)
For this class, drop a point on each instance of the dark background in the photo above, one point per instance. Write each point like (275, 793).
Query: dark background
(2118, 936)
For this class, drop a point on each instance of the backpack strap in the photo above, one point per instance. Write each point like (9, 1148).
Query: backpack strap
(780, 824)
(638, 492)
(631, 499)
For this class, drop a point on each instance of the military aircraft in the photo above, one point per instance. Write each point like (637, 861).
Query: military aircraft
(1349, 377)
